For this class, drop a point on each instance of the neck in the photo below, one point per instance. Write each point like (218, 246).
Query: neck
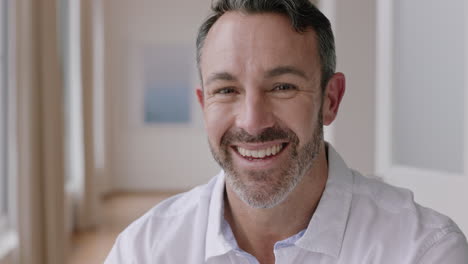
(257, 230)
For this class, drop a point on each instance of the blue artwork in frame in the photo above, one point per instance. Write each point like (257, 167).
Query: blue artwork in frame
(167, 71)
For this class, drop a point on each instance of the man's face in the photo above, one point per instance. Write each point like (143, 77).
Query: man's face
(261, 100)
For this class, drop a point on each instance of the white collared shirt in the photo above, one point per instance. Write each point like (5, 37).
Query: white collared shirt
(358, 221)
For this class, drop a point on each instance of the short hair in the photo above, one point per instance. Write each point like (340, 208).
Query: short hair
(302, 14)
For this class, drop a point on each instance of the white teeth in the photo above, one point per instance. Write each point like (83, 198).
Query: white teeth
(254, 154)
(241, 151)
(261, 153)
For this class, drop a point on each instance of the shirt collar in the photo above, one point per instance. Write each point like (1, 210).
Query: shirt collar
(326, 229)
(216, 243)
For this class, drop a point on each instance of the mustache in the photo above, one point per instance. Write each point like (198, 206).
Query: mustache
(268, 134)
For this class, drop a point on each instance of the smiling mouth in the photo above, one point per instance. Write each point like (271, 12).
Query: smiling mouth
(260, 154)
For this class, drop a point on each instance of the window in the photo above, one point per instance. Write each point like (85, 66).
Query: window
(73, 92)
(3, 117)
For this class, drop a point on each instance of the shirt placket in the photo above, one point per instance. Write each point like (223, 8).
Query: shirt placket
(285, 255)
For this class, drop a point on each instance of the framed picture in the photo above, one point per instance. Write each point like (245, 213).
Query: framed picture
(161, 84)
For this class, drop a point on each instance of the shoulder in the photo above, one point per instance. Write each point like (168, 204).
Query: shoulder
(375, 192)
(174, 210)
(171, 209)
(392, 213)
(168, 222)
(390, 200)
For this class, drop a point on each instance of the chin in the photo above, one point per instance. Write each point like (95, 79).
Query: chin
(263, 190)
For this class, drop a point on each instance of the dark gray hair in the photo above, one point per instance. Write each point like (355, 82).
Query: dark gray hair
(303, 15)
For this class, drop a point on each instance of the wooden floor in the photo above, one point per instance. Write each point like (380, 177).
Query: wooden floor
(119, 211)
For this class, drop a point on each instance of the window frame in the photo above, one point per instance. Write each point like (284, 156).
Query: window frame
(9, 243)
(4, 181)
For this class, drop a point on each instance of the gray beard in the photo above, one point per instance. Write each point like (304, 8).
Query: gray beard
(261, 189)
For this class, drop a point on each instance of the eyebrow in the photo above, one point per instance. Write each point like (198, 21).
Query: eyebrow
(275, 72)
(281, 70)
(223, 76)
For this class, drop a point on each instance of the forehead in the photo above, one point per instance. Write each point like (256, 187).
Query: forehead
(240, 42)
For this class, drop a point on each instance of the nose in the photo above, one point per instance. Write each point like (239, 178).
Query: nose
(256, 113)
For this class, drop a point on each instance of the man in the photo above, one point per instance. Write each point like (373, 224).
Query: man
(285, 196)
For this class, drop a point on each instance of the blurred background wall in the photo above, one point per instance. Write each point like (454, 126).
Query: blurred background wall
(152, 156)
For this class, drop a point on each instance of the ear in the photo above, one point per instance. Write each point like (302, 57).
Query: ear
(332, 98)
(201, 101)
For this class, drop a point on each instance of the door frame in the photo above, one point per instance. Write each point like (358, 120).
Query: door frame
(385, 167)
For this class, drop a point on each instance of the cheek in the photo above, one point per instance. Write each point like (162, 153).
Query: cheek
(299, 116)
(218, 119)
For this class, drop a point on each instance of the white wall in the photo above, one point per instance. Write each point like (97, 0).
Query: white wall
(422, 97)
(428, 127)
(354, 129)
(422, 62)
(142, 157)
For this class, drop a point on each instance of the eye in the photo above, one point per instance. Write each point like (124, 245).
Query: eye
(225, 91)
(284, 90)
(284, 87)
